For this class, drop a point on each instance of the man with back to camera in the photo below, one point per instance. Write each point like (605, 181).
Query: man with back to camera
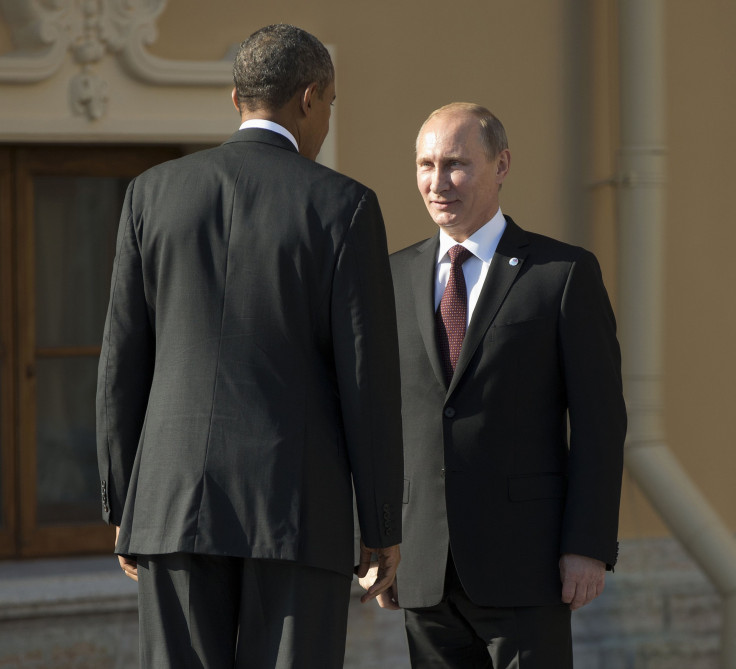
(249, 380)
(503, 335)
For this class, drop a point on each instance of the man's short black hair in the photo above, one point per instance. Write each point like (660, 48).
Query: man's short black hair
(277, 61)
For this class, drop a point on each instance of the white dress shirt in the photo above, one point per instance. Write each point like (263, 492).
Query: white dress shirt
(269, 125)
(482, 244)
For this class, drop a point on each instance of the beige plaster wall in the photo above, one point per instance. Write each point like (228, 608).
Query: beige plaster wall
(700, 275)
(700, 349)
(399, 60)
(548, 69)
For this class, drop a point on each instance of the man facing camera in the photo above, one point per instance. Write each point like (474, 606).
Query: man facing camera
(510, 519)
(248, 382)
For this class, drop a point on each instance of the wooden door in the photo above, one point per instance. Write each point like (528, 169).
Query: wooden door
(65, 208)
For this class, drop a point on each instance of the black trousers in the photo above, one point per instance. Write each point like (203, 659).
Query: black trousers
(212, 612)
(458, 634)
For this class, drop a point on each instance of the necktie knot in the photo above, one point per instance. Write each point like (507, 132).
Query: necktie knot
(458, 254)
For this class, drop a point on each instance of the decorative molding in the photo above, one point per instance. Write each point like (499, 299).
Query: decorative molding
(81, 71)
(46, 33)
(157, 71)
(17, 68)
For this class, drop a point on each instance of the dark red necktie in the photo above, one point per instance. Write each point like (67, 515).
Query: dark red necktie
(452, 315)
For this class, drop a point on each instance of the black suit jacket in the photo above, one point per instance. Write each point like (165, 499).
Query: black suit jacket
(489, 469)
(249, 366)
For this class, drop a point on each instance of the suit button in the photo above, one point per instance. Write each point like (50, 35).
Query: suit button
(449, 412)
(442, 472)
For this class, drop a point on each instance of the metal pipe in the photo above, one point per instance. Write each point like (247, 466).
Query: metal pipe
(642, 178)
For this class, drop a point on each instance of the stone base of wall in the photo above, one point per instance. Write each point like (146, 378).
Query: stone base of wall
(71, 642)
(657, 612)
(67, 614)
(82, 614)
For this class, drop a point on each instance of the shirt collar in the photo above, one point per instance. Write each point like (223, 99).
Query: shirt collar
(482, 243)
(265, 124)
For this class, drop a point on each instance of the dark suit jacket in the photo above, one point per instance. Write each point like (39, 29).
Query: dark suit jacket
(488, 466)
(249, 365)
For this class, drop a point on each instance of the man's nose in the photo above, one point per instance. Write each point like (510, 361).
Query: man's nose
(439, 181)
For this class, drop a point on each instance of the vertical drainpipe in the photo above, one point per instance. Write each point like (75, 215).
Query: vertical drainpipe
(641, 191)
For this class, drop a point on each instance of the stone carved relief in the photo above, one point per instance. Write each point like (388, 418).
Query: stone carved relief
(88, 95)
(47, 32)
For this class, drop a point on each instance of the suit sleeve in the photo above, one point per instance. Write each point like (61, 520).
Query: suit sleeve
(592, 368)
(367, 365)
(125, 369)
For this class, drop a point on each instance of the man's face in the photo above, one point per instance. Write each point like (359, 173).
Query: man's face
(319, 124)
(457, 181)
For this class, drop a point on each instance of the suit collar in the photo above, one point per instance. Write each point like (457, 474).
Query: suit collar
(267, 124)
(262, 136)
(513, 238)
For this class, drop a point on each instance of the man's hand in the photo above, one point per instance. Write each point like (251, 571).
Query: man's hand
(378, 578)
(582, 579)
(386, 600)
(127, 564)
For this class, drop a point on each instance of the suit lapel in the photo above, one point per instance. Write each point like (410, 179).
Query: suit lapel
(423, 272)
(507, 261)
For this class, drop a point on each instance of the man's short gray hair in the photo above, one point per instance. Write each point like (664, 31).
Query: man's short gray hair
(277, 61)
(493, 134)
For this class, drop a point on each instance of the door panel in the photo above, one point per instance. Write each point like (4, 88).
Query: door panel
(68, 202)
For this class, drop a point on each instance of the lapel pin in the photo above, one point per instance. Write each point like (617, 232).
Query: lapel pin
(514, 262)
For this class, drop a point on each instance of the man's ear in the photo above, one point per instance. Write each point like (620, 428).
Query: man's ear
(503, 164)
(234, 96)
(305, 101)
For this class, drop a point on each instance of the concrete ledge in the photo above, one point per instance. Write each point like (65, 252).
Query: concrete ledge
(64, 586)
(82, 612)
